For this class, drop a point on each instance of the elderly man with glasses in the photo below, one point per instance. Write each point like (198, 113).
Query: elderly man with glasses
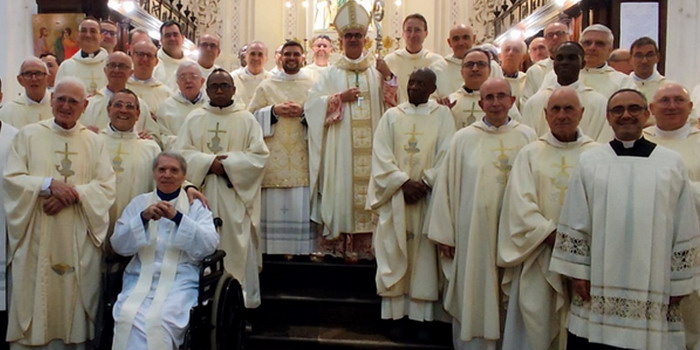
(34, 104)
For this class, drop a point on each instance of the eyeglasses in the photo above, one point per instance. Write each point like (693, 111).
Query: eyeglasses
(69, 100)
(190, 76)
(32, 74)
(222, 86)
(471, 64)
(499, 96)
(649, 56)
(633, 110)
(108, 32)
(118, 66)
(210, 46)
(141, 54)
(551, 35)
(120, 105)
(358, 36)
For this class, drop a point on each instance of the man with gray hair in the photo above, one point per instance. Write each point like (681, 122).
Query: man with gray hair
(247, 79)
(59, 185)
(512, 54)
(597, 42)
(34, 104)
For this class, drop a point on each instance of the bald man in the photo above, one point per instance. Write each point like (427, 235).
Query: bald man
(209, 47)
(621, 61)
(449, 79)
(33, 105)
(537, 50)
(248, 78)
(149, 89)
(87, 64)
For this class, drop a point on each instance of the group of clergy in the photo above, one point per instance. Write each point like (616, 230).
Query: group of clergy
(536, 210)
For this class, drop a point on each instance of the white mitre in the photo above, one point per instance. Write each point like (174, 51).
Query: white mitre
(351, 15)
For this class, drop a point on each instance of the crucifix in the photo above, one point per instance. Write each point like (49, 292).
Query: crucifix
(215, 144)
(93, 84)
(561, 181)
(502, 162)
(66, 164)
(117, 160)
(357, 85)
(471, 118)
(412, 147)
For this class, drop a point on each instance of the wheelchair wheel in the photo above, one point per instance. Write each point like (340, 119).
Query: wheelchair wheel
(229, 315)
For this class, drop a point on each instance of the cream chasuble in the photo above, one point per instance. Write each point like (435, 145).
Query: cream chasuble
(285, 225)
(449, 74)
(315, 70)
(402, 63)
(410, 143)
(232, 131)
(537, 298)
(55, 260)
(517, 84)
(24, 111)
(246, 83)
(96, 113)
(132, 161)
(151, 91)
(165, 71)
(685, 141)
(171, 115)
(466, 203)
(90, 70)
(7, 134)
(535, 77)
(604, 80)
(467, 110)
(593, 123)
(635, 256)
(340, 155)
(649, 85)
(205, 72)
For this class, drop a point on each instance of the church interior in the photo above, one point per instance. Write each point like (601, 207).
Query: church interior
(333, 304)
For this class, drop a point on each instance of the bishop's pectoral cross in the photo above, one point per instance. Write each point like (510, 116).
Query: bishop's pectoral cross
(561, 181)
(66, 164)
(471, 118)
(215, 144)
(357, 85)
(502, 163)
(412, 146)
(117, 160)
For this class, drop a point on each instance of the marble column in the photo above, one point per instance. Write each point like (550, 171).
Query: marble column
(17, 42)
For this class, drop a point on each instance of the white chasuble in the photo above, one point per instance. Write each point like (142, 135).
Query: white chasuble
(517, 84)
(604, 80)
(235, 198)
(340, 154)
(24, 111)
(449, 74)
(90, 70)
(132, 161)
(246, 83)
(593, 123)
(55, 260)
(635, 256)
(96, 113)
(466, 110)
(151, 91)
(410, 143)
(685, 141)
(466, 203)
(7, 134)
(402, 63)
(535, 77)
(171, 115)
(537, 298)
(166, 70)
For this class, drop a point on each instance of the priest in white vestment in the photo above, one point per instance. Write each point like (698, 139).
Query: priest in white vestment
(226, 156)
(171, 55)
(278, 105)
(513, 53)
(59, 186)
(403, 62)
(7, 133)
(449, 79)
(672, 107)
(537, 298)
(568, 61)
(409, 147)
(248, 78)
(34, 104)
(173, 111)
(554, 34)
(466, 203)
(322, 49)
(168, 238)
(87, 64)
(117, 69)
(209, 46)
(628, 237)
(151, 91)
(342, 111)
(464, 102)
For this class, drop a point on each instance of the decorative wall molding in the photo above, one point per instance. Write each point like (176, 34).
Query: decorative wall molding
(208, 17)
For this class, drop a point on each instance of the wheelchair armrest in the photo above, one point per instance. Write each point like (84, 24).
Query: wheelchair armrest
(213, 258)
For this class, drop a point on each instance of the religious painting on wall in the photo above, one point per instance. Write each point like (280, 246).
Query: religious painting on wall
(56, 33)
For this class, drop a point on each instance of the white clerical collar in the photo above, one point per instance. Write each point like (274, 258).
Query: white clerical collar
(496, 127)
(249, 73)
(107, 92)
(148, 81)
(554, 141)
(408, 54)
(196, 99)
(678, 134)
(602, 69)
(30, 102)
(121, 133)
(421, 109)
(575, 85)
(653, 77)
(282, 75)
(57, 127)
(628, 144)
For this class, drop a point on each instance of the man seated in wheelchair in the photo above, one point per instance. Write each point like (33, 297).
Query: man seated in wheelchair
(168, 238)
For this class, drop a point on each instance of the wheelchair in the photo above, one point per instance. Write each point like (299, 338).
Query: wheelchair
(216, 322)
